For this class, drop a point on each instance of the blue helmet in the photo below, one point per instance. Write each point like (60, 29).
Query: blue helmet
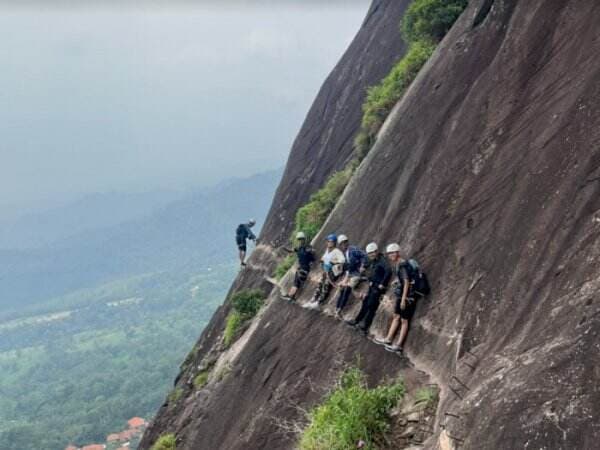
(332, 237)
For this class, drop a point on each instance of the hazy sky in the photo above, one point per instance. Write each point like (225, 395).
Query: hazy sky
(97, 98)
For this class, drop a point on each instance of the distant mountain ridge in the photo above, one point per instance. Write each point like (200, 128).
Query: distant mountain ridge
(90, 212)
(173, 238)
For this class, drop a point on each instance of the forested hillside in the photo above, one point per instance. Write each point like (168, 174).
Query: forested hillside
(131, 300)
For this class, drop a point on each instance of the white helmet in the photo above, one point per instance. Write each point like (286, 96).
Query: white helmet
(252, 222)
(300, 235)
(392, 248)
(372, 247)
(342, 238)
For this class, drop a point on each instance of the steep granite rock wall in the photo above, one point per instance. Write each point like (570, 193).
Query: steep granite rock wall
(325, 141)
(488, 171)
(323, 146)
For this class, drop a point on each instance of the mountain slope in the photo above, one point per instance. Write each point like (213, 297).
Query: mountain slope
(487, 170)
(176, 237)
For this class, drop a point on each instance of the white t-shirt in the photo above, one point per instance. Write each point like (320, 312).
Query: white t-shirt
(333, 256)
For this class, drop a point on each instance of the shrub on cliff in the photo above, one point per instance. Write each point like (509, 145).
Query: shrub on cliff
(423, 26)
(351, 413)
(165, 442)
(431, 19)
(311, 217)
(285, 265)
(382, 98)
(245, 305)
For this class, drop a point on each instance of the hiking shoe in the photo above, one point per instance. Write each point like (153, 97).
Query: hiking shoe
(351, 322)
(287, 298)
(393, 348)
(312, 305)
(363, 330)
(382, 341)
(338, 313)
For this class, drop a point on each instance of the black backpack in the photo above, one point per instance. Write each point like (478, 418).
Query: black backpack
(241, 232)
(418, 279)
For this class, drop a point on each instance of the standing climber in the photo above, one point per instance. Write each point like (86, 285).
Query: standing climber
(243, 233)
(356, 261)
(378, 275)
(306, 256)
(332, 263)
(405, 299)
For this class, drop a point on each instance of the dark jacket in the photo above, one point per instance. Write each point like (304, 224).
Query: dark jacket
(306, 257)
(378, 272)
(403, 272)
(355, 259)
(244, 232)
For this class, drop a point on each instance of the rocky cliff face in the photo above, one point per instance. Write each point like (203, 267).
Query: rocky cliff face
(488, 170)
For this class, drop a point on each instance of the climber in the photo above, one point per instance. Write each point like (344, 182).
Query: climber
(242, 233)
(405, 300)
(378, 274)
(332, 263)
(306, 256)
(356, 260)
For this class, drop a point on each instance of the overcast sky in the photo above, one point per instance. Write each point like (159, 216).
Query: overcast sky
(98, 99)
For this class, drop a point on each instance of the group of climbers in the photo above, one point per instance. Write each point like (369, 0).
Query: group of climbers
(347, 267)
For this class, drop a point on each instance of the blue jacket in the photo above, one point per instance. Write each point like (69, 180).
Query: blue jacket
(355, 258)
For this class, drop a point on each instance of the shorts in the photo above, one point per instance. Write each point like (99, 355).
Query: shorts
(300, 278)
(241, 244)
(409, 310)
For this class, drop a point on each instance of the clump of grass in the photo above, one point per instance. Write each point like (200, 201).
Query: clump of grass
(201, 379)
(351, 413)
(165, 442)
(311, 217)
(175, 395)
(426, 397)
(285, 265)
(245, 305)
(423, 26)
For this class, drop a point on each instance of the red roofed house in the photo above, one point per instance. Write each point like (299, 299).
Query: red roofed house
(136, 422)
(127, 434)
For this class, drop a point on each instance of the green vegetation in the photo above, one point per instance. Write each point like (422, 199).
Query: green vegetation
(311, 217)
(245, 305)
(165, 442)
(175, 395)
(382, 97)
(100, 365)
(423, 26)
(201, 379)
(431, 19)
(285, 265)
(426, 397)
(352, 412)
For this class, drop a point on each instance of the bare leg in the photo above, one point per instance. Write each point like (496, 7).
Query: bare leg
(393, 328)
(242, 256)
(293, 291)
(403, 332)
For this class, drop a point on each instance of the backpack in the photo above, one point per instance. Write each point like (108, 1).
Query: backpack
(418, 278)
(241, 231)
